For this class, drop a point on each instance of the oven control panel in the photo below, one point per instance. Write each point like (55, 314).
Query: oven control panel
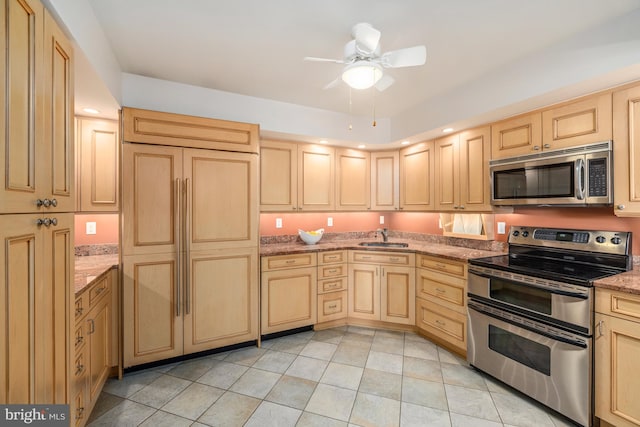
(612, 242)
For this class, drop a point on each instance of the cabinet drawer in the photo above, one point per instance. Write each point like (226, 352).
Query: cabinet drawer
(332, 285)
(80, 337)
(81, 305)
(281, 262)
(334, 270)
(99, 289)
(618, 304)
(445, 324)
(448, 266)
(373, 257)
(332, 257)
(332, 306)
(445, 290)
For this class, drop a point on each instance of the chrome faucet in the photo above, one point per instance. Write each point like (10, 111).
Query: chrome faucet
(384, 232)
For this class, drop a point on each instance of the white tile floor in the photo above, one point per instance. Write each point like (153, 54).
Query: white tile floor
(348, 376)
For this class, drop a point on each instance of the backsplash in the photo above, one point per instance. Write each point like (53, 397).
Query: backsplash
(98, 249)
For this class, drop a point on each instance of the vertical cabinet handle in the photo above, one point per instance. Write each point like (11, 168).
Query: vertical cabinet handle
(600, 326)
(187, 236)
(176, 213)
(92, 326)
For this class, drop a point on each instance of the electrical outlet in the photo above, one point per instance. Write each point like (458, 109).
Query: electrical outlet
(381, 219)
(278, 222)
(91, 228)
(501, 228)
(329, 222)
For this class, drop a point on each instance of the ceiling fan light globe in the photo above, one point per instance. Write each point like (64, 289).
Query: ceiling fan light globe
(362, 75)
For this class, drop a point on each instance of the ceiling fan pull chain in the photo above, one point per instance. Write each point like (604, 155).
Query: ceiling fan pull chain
(374, 108)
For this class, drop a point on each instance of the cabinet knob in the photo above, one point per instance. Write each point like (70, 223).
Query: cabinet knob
(536, 148)
(621, 207)
(547, 146)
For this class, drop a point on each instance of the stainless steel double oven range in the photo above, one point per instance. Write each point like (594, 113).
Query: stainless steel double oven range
(531, 313)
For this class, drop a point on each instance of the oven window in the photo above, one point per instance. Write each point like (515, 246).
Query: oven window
(539, 182)
(534, 299)
(522, 350)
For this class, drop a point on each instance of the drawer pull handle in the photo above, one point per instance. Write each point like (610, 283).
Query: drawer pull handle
(79, 311)
(79, 369)
(333, 306)
(439, 290)
(100, 290)
(291, 261)
(80, 413)
(333, 285)
(394, 259)
(333, 270)
(79, 340)
(366, 257)
(332, 257)
(439, 265)
(440, 322)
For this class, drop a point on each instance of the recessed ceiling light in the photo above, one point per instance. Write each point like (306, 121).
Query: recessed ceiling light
(91, 110)
(361, 146)
(447, 130)
(405, 143)
(323, 141)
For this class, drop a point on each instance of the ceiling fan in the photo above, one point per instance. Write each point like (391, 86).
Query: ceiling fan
(364, 64)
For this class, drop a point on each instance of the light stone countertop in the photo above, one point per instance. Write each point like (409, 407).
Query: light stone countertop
(92, 267)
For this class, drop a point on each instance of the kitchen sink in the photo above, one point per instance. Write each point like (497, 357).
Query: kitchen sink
(385, 244)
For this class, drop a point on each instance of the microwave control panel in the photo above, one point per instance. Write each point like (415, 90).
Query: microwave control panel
(597, 177)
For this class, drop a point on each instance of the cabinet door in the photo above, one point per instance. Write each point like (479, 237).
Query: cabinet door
(278, 176)
(385, 180)
(316, 178)
(221, 199)
(364, 291)
(221, 299)
(98, 148)
(288, 299)
(152, 308)
(398, 295)
(22, 148)
(57, 171)
(474, 155)
(516, 136)
(617, 379)
(626, 151)
(52, 313)
(353, 180)
(21, 266)
(151, 205)
(417, 177)
(447, 172)
(580, 122)
(99, 335)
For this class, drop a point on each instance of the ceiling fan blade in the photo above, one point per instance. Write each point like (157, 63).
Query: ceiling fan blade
(367, 37)
(385, 81)
(408, 57)
(314, 59)
(333, 83)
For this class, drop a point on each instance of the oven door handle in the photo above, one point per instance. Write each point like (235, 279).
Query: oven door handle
(495, 313)
(533, 285)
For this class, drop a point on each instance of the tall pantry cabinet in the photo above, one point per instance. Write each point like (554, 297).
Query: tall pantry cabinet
(189, 234)
(36, 205)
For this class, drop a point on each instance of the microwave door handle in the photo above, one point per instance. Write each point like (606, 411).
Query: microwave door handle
(579, 179)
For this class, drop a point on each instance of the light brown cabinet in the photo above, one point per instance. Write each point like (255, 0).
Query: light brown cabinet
(94, 339)
(617, 350)
(35, 334)
(288, 292)
(316, 178)
(382, 286)
(353, 180)
(417, 177)
(462, 171)
(516, 136)
(190, 215)
(385, 180)
(98, 148)
(332, 286)
(626, 151)
(441, 309)
(36, 111)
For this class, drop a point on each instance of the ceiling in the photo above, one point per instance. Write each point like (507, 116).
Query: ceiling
(256, 47)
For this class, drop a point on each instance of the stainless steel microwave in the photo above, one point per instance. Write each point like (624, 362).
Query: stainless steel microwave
(577, 176)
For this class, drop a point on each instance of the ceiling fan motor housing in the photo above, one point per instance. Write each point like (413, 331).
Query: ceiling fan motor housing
(352, 52)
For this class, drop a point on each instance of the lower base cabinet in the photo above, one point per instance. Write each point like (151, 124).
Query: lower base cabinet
(617, 351)
(94, 337)
(441, 309)
(289, 292)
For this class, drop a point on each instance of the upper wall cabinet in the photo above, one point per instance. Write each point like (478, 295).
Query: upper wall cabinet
(462, 171)
(316, 178)
(154, 127)
(417, 177)
(385, 183)
(353, 180)
(97, 154)
(516, 136)
(579, 122)
(36, 111)
(278, 176)
(626, 151)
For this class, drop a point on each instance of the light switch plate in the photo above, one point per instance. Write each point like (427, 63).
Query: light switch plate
(329, 222)
(91, 228)
(278, 222)
(501, 228)
(381, 219)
